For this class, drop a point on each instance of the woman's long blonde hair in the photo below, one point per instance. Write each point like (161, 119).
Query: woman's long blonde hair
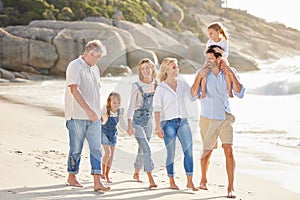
(164, 67)
(141, 62)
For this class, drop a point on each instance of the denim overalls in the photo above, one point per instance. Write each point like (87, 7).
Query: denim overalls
(142, 115)
(109, 130)
(142, 123)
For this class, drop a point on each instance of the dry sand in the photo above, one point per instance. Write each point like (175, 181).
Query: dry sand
(34, 146)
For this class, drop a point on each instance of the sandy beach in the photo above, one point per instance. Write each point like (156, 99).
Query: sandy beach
(34, 145)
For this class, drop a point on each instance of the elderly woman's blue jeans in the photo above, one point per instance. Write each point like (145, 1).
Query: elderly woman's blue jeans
(180, 128)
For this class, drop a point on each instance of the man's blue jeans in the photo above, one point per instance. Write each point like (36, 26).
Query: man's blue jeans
(180, 128)
(79, 130)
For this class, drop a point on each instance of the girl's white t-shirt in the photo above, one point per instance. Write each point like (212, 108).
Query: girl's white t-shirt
(223, 44)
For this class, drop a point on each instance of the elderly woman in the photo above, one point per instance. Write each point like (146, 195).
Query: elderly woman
(140, 117)
(171, 119)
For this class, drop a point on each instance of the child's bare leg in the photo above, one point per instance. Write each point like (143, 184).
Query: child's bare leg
(105, 160)
(107, 174)
(151, 180)
(103, 171)
(229, 85)
(136, 175)
(109, 163)
(203, 87)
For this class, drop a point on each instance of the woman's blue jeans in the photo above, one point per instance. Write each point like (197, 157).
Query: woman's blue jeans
(180, 128)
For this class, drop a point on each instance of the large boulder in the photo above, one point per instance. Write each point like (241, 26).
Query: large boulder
(73, 36)
(188, 66)
(241, 62)
(16, 52)
(5, 74)
(155, 6)
(98, 19)
(141, 35)
(34, 33)
(172, 12)
(117, 70)
(147, 36)
(45, 46)
(176, 51)
(70, 44)
(135, 54)
(196, 52)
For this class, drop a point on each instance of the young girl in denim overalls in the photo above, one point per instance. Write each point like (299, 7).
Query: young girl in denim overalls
(140, 117)
(111, 116)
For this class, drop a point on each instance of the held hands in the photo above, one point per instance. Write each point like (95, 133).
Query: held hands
(160, 133)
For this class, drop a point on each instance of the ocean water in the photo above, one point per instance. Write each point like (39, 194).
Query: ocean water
(267, 128)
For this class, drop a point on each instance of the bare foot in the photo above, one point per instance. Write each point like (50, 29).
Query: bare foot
(104, 189)
(230, 94)
(173, 186)
(73, 182)
(152, 185)
(191, 185)
(137, 177)
(108, 180)
(102, 176)
(203, 186)
(100, 187)
(231, 194)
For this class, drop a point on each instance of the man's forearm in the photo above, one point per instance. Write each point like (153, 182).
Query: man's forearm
(236, 83)
(79, 99)
(195, 86)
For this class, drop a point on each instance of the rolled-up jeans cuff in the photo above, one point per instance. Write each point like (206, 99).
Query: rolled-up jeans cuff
(73, 172)
(148, 169)
(171, 175)
(189, 173)
(96, 171)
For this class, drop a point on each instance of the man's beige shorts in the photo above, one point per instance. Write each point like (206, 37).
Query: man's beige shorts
(211, 129)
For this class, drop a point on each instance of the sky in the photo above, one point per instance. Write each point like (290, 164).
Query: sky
(283, 11)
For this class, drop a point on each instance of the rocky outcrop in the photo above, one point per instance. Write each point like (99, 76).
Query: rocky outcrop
(21, 53)
(172, 12)
(46, 47)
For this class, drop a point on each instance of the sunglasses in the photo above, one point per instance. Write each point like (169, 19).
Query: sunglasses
(175, 67)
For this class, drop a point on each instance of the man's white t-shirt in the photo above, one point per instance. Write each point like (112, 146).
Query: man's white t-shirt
(88, 80)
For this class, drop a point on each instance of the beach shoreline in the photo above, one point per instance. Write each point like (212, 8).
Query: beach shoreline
(34, 146)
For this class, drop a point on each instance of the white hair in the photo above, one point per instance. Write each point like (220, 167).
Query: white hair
(95, 46)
